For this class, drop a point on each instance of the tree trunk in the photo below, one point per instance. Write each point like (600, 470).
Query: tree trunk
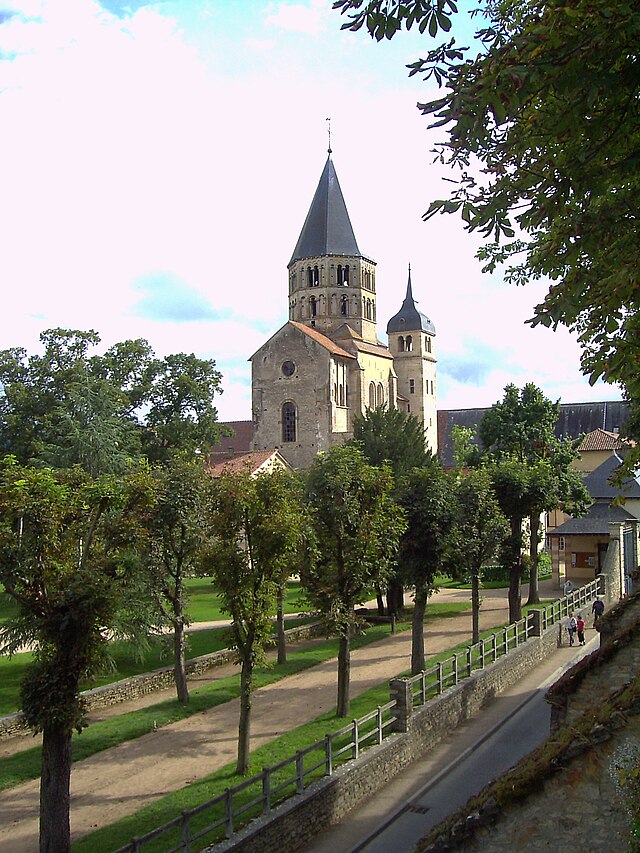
(282, 643)
(475, 605)
(55, 835)
(534, 538)
(417, 631)
(344, 675)
(395, 597)
(244, 726)
(179, 666)
(515, 605)
(380, 601)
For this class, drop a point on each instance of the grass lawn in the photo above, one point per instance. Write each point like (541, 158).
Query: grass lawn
(26, 765)
(205, 606)
(120, 833)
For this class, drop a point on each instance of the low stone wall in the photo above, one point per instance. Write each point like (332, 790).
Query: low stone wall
(151, 682)
(294, 823)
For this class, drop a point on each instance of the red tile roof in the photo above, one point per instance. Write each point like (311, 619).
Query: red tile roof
(601, 439)
(236, 463)
(321, 339)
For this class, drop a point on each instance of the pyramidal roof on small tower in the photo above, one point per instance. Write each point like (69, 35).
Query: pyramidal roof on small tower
(408, 318)
(327, 229)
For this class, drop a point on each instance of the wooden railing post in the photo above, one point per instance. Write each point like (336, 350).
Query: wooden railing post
(266, 790)
(228, 804)
(328, 758)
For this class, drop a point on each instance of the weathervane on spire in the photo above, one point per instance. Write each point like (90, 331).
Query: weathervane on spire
(328, 120)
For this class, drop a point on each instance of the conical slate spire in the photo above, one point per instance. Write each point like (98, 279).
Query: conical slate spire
(327, 229)
(408, 318)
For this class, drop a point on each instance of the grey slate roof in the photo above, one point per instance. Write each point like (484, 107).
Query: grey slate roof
(595, 522)
(599, 487)
(327, 229)
(408, 318)
(574, 420)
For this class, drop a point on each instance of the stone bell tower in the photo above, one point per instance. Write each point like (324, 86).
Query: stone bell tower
(330, 281)
(412, 344)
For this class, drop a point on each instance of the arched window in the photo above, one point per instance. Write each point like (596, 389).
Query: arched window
(427, 341)
(313, 306)
(345, 274)
(309, 277)
(372, 395)
(400, 343)
(316, 276)
(380, 395)
(344, 306)
(409, 343)
(289, 422)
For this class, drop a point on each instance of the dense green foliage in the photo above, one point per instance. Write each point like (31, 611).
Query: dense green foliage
(393, 437)
(69, 407)
(426, 496)
(260, 535)
(357, 528)
(478, 530)
(542, 133)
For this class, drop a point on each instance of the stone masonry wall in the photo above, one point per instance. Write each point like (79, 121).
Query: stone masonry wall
(326, 802)
(149, 682)
(571, 794)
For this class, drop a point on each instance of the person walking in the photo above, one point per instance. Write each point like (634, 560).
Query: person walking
(597, 608)
(572, 627)
(580, 629)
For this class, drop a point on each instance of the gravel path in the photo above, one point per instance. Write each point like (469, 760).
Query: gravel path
(119, 781)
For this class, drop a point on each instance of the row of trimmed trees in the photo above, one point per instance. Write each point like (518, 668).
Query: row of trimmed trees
(98, 534)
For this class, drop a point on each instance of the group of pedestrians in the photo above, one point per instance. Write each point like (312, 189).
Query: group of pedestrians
(576, 625)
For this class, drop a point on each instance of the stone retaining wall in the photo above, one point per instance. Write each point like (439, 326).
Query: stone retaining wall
(294, 823)
(150, 682)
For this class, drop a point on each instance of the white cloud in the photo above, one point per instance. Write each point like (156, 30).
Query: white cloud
(125, 156)
(298, 17)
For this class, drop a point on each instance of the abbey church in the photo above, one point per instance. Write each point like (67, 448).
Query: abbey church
(326, 364)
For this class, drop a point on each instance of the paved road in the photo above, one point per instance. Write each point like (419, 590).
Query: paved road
(515, 723)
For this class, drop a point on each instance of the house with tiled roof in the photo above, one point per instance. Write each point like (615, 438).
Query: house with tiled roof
(252, 462)
(580, 546)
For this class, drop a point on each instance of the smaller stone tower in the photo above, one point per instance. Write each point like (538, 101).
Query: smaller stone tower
(412, 345)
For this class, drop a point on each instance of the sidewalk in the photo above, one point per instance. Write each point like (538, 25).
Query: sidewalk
(122, 780)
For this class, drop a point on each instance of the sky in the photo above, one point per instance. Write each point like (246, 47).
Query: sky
(158, 162)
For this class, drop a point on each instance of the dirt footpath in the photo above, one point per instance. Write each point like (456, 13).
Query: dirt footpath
(119, 781)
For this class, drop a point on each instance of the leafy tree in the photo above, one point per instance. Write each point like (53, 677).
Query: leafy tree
(67, 558)
(177, 531)
(357, 525)
(67, 406)
(180, 413)
(479, 530)
(389, 436)
(427, 499)
(260, 535)
(521, 427)
(542, 128)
